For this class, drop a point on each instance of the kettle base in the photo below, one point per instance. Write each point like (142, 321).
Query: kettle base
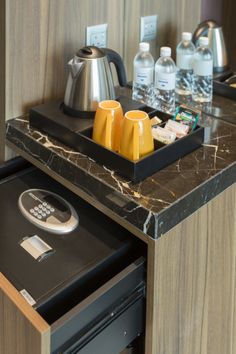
(78, 114)
(220, 69)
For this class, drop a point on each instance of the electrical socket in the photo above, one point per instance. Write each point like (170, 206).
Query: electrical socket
(148, 28)
(97, 35)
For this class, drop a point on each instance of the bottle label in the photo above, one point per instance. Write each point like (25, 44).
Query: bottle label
(165, 81)
(203, 68)
(143, 76)
(184, 62)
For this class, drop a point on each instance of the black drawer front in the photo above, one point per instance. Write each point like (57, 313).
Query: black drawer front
(10, 167)
(108, 320)
(114, 335)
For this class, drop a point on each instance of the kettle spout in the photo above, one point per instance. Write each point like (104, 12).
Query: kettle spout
(75, 65)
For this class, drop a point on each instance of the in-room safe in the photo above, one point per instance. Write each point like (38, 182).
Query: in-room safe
(82, 272)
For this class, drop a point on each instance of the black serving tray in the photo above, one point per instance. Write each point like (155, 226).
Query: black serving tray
(222, 88)
(77, 133)
(136, 171)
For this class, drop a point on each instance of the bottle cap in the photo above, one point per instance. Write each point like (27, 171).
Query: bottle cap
(144, 47)
(186, 36)
(165, 51)
(203, 41)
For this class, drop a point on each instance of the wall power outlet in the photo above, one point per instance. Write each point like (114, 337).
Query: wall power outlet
(97, 35)
(148, 28)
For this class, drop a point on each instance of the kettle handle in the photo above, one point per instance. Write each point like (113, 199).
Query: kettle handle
(202, 29)
(116, 59)
(200, 32)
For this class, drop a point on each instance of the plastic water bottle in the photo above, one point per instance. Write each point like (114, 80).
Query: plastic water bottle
(143, 74)
(164, 87)
(184, 62)
(202, 72)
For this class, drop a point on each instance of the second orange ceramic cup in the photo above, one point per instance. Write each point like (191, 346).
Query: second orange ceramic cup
(107, 124)
(136, 137)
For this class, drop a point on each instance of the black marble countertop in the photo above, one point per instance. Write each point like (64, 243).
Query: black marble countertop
(154, 206)
(223, 108)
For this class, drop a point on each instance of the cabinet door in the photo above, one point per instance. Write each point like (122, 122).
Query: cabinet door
(22, 329)
(192, 297)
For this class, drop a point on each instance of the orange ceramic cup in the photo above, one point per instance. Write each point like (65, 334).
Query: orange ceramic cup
(107, 124)
(136, 136)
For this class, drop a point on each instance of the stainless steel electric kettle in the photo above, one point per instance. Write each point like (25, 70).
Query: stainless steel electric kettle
(90, 80)
(214, 32)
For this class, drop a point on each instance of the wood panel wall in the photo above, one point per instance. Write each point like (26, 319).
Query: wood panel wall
(174, 17)
(229, 13)
(212, 10)
(2, 79)
(42, 35)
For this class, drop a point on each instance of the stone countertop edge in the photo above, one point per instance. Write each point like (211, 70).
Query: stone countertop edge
(150, 223)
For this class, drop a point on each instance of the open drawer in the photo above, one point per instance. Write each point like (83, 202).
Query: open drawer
(87, 295)
(105, 322)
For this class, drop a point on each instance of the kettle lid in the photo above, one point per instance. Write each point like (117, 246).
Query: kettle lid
(90, 52)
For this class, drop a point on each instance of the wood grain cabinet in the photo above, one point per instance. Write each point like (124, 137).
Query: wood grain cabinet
(191, 307)
(22, 329)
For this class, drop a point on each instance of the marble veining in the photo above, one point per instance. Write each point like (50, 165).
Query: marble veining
(159, 202)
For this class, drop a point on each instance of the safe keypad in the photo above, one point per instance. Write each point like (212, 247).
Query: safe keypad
(42, 211)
